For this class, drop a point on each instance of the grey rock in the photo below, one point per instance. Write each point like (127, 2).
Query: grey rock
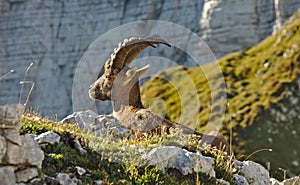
(253, 172)
(51, 180)
(167, 157)
(78, 146)
(7, 176)
(28, 152)
(13, 136)
(221, 20)
(33, 154)
(57, 42)
(2, 147)
(292, 181)
(203, 164)
(239, 180)
(82, 118)
(48, 137)
(105, 125)
(111, 126)
(80, 170)
(26, 175)
(222, 182)
(14, 154)
(10, 115)
(65, 179)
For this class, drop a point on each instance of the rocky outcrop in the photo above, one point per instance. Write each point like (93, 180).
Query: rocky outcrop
(89, 121)
(48, 137)
(254, 173)
(236, 25)
(65, 179)
(20, 156)
(53, 35)
(171, 157)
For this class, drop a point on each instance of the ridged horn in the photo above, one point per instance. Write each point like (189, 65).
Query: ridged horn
(122, 56)
(143, 43)
(129, 49)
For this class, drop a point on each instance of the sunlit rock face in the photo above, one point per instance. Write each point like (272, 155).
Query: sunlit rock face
(54, 34)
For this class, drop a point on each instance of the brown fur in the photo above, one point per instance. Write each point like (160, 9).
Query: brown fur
(120, 83)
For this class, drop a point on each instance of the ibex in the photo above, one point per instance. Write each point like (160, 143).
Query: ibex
(120, 83)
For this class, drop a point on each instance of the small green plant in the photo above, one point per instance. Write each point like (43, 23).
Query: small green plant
(32, 128)
(224, 165)
(33, 123)
(56, 156)
(114, 161)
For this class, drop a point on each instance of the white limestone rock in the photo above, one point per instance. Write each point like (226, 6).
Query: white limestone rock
(167, 157)
(13, 136)
(57, 42)
(202, 163)
(239, 180)
(80, 170)
(26, 175)
(48, 137)
(105, 125)
(14, 154)
(255, 173)
(78, 146)
(7, 175)
(82, 118)
(111, 126)
(28, 152)
(65, 179)
(10, 115)
(33, 154)
(222, 182)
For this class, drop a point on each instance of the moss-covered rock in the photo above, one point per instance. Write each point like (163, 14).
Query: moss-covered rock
(107, 160)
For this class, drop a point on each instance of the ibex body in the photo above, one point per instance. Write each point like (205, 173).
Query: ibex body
(120, 83)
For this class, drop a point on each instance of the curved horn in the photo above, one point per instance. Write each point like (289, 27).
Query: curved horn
(129, 49)
(121, 57)
(143, 43)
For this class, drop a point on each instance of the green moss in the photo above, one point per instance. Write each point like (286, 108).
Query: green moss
(35, 124)
(112, 161)
(255, 79)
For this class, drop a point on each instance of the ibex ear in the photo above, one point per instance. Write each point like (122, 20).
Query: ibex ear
(134, 72)
(141, 72)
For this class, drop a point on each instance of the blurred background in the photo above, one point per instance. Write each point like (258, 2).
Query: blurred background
(53, 35)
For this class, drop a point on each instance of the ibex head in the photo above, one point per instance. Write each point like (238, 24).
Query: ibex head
(116, 77)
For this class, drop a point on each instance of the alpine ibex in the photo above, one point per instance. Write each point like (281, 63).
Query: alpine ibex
(120, 83)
